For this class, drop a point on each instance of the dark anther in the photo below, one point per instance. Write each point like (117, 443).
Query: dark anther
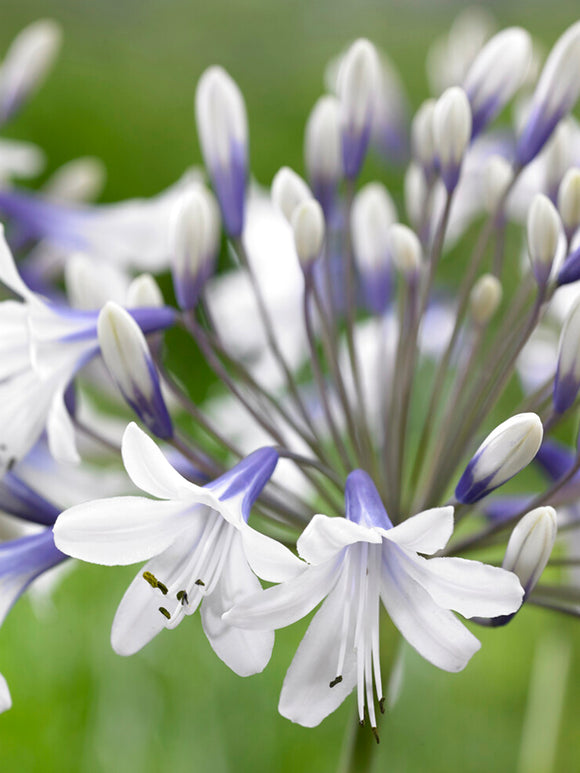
(154, 582)
(382, 705)
(335, 681)
(376, 734)
(165, 613)
(199, 582)
(182, 596)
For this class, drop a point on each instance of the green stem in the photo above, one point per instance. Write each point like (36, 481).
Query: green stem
(360, 749)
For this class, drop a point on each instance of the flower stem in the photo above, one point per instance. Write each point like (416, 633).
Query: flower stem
(360, 749)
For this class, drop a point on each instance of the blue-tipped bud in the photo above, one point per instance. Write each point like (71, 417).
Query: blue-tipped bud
(129, 362)
(451, 132)
(223, 134)
(496, 74)
(423, 137)
(322, 151)
(569, 201)
(505, 452)
(308, 231)
(567, 381)
(543, 230)
(289, 191)
(530, 546)
(356, 86)
(195, 246)
(554, 97)
(373, 213)
(570, 270)
(25, 65)
(405, 250)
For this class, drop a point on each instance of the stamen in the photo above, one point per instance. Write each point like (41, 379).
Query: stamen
(199, 582)
(165, 613)
(375, 732)
(154, 582)
(335, 681)
(182, 596)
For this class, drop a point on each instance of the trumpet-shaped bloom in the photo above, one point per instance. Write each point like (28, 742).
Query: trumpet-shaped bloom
(198, 544)
(356, 562)
(41, 349)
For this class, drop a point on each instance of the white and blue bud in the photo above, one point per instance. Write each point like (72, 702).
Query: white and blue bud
(79, 180)
(569, 201)
(505, 452)
(416, 191)
(555, 95)
(530, 546)
(222, 126)
(567, 380)
(372, 215)
(288, 191)
(356, 87)
(496, 74)
(323, 151)
(127, 357)
(144, 292)
(543, 231)
(26, 64)
(195, 246)
(498, 174)
(423, 137)
(485, 298)
(308, 231)
(406, 251)
(452, 133)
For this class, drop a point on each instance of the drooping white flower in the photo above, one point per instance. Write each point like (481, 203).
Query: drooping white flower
(198, 544)
(355, 563)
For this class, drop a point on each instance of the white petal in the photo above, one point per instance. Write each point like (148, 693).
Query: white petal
(121, 530)
(61, 432)
(151, 472)
(245, 652)
(286, 603)
(307, 697)
(5, 699)
(8, 272)
(426, 532)
(138, 619)
(469, 587)
(269, 559)
(324, 537)
(434, 632)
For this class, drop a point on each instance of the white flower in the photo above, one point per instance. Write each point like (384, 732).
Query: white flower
(199, 547)
(356, 562)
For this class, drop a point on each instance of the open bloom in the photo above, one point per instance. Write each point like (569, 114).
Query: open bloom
(200, 546)
(355, 562)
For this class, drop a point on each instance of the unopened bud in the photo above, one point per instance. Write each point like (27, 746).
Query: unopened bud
(357, 83)
(26, 64)
(195, 247)
(569, 200)
(452, 132)
(505, 452)
(416, 195)
(90, 284)
(422, 136)
(308, 229)
(373, 213)
(485, 298)
(129, 362)
(497, 176)
(567, 380)
(76, 181)
(288, 191)
(144, 292)
(496, 74)
(543, 235)
(570, 270)
(223, 134)
(530, 546)
(405, 250)
(322, 150)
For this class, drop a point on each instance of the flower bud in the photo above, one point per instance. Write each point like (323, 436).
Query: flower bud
(223, 134)
(422, 136)
(356, 86)
(144, 292)
(569, 201)
(497, 176)
(90, 284)
(543, 235)
(195, 246)
(308, 229)
(485, 298)
(570, 270)
(322, 150)
(530, 546)
(129, 362)
(405, 250)
(416, 194)
(554, 97)
(26, 64)
(288, 191)
(373, 213)
(505, 452)
(567, 380)
(496, 74)
(451, 132)
(79, 180)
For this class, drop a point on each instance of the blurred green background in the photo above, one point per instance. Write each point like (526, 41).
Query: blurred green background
(123, 90)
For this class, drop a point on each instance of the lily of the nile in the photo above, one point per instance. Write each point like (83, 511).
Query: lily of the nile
(43, 346)
(198, 544)
(355, 563)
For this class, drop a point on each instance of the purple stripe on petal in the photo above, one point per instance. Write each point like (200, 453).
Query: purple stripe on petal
(230, 187)
(570, 270)
(354, 148)
(536, 133)
(248, 477)
(363, 504)
(565, 392)
(17, 498)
